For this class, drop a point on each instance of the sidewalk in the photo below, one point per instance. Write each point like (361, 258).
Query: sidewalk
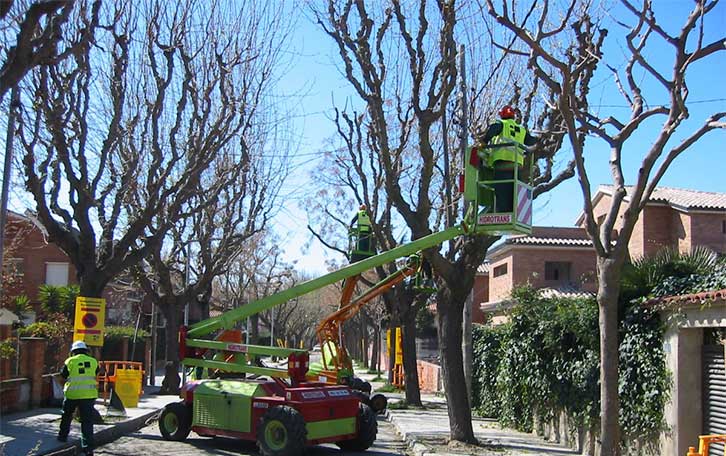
(33, 432)
(426, 431)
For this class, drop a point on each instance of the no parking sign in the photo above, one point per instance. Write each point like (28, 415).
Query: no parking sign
(90, 318)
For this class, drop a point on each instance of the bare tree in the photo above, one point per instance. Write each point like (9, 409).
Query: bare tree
(568, 71)
(257, 272)
(122, 137)
(401, 61)
(37, 33)
(202, 246)
(351, 175)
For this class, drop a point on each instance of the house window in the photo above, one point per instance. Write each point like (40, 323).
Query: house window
(723, 226)
(558, 271)
(500, 270)
(56, 274)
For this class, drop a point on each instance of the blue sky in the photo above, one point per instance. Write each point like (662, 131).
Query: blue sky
(703, 167)
(314, 77)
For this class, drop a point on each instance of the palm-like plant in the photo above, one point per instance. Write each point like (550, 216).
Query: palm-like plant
(646, 276)
(58, 299)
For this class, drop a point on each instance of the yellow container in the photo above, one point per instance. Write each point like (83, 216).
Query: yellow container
(128, 386)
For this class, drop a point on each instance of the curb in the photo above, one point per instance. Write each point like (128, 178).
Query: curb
(107, 435)
(414, 447)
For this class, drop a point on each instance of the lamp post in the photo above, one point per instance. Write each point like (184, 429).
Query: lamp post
(7, 172)
(187, 279)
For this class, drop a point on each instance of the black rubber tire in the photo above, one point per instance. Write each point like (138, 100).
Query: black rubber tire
(287, 420)
(367, 430)
(175, 421)
(378, 403)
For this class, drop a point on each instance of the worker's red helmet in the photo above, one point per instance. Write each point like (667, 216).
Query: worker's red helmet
(507, 112)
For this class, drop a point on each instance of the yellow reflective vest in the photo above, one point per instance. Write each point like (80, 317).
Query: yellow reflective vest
(364, 222)
(510, 142)
(81, 381)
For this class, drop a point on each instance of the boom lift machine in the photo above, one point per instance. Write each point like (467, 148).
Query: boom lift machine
(289, 411)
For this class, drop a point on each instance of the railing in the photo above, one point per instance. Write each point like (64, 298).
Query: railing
(705, 442)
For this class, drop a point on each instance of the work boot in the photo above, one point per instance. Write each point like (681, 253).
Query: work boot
(62, 439)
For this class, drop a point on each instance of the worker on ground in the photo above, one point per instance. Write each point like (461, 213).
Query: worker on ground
(504, 148)
(80, 391)
(360, 226)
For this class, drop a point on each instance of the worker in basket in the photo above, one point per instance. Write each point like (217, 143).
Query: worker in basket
(361, 235)
(423, 279)
(502, 149)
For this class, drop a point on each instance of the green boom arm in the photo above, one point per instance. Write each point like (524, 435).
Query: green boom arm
(228, 319)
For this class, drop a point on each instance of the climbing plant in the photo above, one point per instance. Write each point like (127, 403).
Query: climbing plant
(545, 361)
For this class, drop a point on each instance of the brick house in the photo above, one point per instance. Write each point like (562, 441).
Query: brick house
(32, 259)
(562, 258)
(673, 217)
(562, 261)
(556, 258)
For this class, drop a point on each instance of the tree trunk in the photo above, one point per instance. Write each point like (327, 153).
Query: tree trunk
(375, 350)
(391, 350)
(364, 345)
(410, 369)
(450, 309)
(170, 384)
(607, 299)
(255, 329)
(91, 285)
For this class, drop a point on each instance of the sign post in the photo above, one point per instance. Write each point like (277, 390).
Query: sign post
(90, 320)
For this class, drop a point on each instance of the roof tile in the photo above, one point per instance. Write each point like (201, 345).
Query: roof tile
(715, 295)
(682, 198)
(553, 236)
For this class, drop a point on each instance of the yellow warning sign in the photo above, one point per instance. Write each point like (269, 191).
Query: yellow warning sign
(399, 344)
(90, 319)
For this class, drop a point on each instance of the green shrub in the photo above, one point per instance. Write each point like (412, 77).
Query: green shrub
(21, 303)
(388, 388)
(114, 336)
(117, 332)
(51, 330)
(7, 349)
(545, 360)
(487, 353)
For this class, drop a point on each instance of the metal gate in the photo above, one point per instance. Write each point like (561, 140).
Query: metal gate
(714, 393)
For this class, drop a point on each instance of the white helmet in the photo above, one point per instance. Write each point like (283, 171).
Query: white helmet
(79, 345)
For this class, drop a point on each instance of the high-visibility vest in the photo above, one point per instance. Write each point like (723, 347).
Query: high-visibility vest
(510, 143)
(81, 382)
(364, 222)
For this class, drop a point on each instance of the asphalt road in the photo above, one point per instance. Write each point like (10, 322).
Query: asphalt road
(148, 440)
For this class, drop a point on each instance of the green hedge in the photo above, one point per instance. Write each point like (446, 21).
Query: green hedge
(545, 360)
(114, 336)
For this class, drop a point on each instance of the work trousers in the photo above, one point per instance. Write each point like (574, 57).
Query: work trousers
(505, 191)
(86, 410)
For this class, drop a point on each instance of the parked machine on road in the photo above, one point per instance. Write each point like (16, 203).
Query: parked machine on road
(284, 410)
